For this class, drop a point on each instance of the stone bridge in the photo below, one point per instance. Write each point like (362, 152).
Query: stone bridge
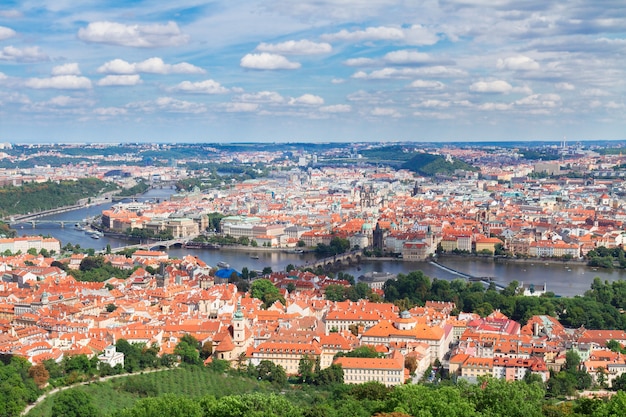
(335, 261)
(155, 245)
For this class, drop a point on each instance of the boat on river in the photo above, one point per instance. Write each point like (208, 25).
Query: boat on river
(222, 264)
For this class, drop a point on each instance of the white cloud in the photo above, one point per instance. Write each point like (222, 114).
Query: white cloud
(540, 100)
(595, 92)
(405, 57)
(65, 101)
(117, 66)
(13, 97)
(3, 76)
(141, 36)
(66, 69)
(203, 87)
(495, 106)
(6, 33)
(151, 65)
(336, 108)
(28, 54)
(123, 80)
(419, 35)
(157, 66)
(169, 105)
(308, 100)
(263, 97)
(517, 63)
(266, 61)
(332, 10)
(384, 112)
(62, 82)
(241, 107)
(594, 104)
(402, 57)
(434, 104)
(381, 74)
(360, 62)
(415, 35)
(302, 47)
(434, 115)
(498, 86)
(565, 86)
(110, 111)
(369, 34)
(10, 14)
(337, 81)
(402, 73)
(522, 90)
(426, 84)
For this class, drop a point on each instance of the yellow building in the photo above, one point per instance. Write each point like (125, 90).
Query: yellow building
(387, 371)
(487, 243)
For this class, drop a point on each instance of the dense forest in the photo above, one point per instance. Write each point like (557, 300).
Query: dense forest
(34, 197)
(430, 165)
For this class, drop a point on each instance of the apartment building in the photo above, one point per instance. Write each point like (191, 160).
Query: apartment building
(285, 354)
(24, 243)
(387, 371)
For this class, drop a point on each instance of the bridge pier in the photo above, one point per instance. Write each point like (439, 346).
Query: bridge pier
(33, 223)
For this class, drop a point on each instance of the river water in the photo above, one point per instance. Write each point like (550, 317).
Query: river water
(567, 279)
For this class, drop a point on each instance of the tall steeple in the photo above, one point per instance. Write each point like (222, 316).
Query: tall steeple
(239, 326)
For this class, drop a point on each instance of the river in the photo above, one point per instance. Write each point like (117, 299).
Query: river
(567, 279)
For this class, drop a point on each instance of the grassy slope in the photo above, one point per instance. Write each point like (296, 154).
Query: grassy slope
(113, 395)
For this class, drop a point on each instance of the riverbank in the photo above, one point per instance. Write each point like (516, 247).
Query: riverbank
(504, 259)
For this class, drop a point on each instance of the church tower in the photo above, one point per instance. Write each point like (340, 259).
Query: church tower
(239, 326)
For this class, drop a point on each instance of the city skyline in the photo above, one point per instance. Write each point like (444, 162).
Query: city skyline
(332, 70)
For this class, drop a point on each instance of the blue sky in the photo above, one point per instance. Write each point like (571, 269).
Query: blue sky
(312, 70)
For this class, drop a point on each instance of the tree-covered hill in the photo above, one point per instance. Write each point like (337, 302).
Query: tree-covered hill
(429, 165)
(34, 197)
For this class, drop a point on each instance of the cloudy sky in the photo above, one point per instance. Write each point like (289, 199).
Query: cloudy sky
(311, 70)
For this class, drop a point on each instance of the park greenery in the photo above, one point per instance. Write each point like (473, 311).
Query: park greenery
(599, 308)
(157, 387)
(141, 187)
(336, 246)
(607, 258)
(215, 175)
(148, 234)
(6, 231)
(392, 153)
(264, 290)
(35, 197)
(254, 391)
(430, 165)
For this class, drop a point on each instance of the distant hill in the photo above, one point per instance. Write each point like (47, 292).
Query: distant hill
(429, 165)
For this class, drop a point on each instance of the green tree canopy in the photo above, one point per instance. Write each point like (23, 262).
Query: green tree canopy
(74, 403)
(264, 290)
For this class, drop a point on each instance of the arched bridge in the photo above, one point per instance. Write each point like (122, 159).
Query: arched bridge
(155, 245)
(335, 261)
